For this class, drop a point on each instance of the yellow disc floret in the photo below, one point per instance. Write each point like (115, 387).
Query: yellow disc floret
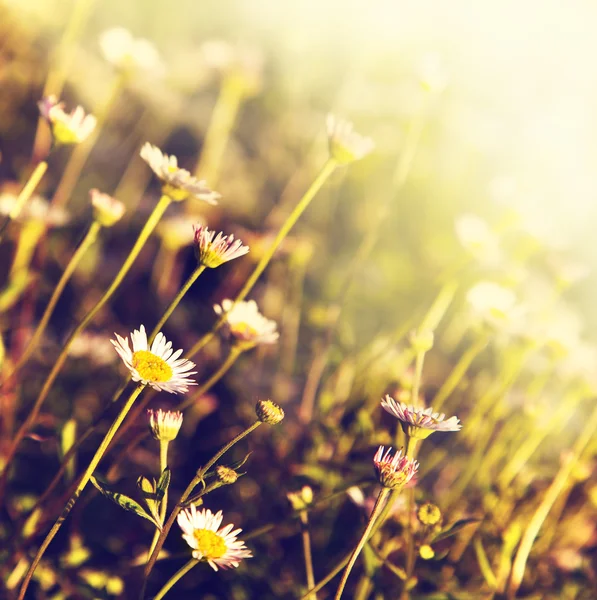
(209, 543)
(151, 367)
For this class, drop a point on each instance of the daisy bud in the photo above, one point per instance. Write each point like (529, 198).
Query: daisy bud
(421, 341)
(345, 144)
(107, 211)
(394, 471)
(226, 475)
(212, 252)
(426, 552)
(302, 499)
(164, 424)
(429, 514)
(268, 412)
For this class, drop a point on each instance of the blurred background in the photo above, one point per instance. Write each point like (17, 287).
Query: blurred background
(486, 136)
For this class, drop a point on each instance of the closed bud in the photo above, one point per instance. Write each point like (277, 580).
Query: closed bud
(226, 475)
(269, 412)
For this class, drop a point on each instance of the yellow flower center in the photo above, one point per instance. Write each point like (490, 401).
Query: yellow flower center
(209, 543)
(244, 331)
(151, 367)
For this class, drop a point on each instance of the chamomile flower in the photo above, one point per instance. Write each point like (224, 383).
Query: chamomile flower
(157, 366)
(346, 145)
(179, 184)
(126, 52)
(164, 424)
(106, 210)
(212, 252)
(72, 128)
(417, 422)
(218, 547)
(246, 324)
(394, 471)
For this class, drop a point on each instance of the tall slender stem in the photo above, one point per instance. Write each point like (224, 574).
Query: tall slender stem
(175, 302)
(80, 487)
(175, 578)
(185, 495)
(303, 203)
(155, 216)
(304, 516)
(164, 501)
(87, 242)
(355, 554)
(24, 195)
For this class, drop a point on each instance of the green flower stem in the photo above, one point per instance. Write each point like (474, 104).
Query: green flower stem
(339, 566)
(377, 509)
(175, 302)
(549, 498)
(164, 502)
(185, 495)
(303, 203)
(458, 372)
(155, 216)
(87, 242)
(24, 195)
(80, 487)
(304, 516)
(175, 578)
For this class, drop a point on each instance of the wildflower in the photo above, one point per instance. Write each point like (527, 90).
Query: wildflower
(226, 475)
(158, 366)
(394, 472)
(72, 128)
(125, 52)
(429, 514)
(246, 324)
(422, 341)
(212, 252)
(302, 499)
(491, 301)
(346, 145)
(219, 548)
(36, 209)
(419, 423)
(269, 412)
(106, 210)
(164, 424)
(179, 184)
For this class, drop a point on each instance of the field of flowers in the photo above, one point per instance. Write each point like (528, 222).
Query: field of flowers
(277, 316)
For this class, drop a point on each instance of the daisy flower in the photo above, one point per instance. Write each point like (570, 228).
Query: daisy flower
(125, 52)
(164, 424)
(157, 366)
(394, 471)
(179, 184)
(219, 547)
(346, 145)
(417, 422)
(213, 252)
(107, 211)
(72, 128)
(246, 324)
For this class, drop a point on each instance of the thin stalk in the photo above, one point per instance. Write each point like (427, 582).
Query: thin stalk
(304, 516)
(164, 502)
(24, 195)
(175, 578)
(544, 508)
(155, 216)
(87, 242)
(80, 487)
(377, 509)
(185, 495)
(298, 210)
(175, 302)
(341, 564)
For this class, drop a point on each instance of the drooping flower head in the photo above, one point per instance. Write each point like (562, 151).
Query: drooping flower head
(219, 547)
(212, 252)
(179, 184)
(246, 324)
(126, 52)
(158, 366)
(419, 423)
(106, 210)
(346, 145)
(394, 471)
(164, 424)
(67, 128)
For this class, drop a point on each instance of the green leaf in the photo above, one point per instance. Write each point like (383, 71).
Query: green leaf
(123, 501)
(453, 529)
(163, 484)
(150, 495)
